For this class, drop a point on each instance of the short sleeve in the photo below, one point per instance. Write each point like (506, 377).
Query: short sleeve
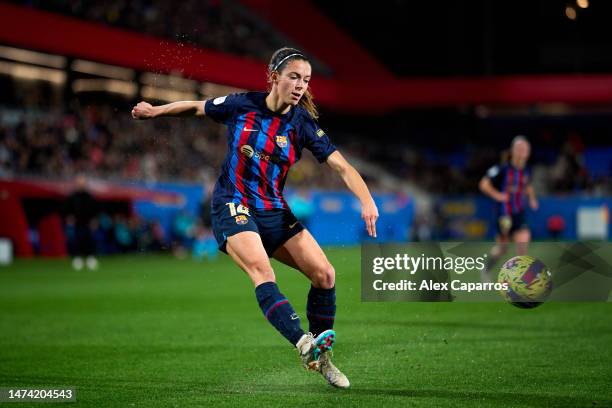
(494, 173)
(316, 140)
(222, 109)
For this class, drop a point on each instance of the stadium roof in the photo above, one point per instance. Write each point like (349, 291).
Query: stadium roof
(361, 83)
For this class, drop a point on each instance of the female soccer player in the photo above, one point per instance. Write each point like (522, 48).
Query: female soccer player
(509, 184)
(251, 220)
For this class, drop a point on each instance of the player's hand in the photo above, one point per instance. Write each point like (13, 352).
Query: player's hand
(533, 204)
(369, 214)
(502, 197)
(143, 110)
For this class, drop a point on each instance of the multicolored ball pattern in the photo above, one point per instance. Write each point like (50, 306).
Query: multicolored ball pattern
(529, 281)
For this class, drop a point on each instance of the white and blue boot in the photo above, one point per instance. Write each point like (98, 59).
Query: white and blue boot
(316, 355)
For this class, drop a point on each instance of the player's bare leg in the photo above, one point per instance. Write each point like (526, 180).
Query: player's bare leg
(247, 250)
(522, 238)
(498, 250)
(303, 253)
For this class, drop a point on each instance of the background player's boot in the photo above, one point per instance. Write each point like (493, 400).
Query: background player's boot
(485, 275)
(331, 373)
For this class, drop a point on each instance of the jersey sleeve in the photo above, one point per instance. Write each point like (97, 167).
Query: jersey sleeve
(316, 140)
(527, 176)
(495, 175)
(222, 109)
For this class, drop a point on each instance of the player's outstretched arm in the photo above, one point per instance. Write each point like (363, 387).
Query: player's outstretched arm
(533, 200)
(355, 183)
(144, 110)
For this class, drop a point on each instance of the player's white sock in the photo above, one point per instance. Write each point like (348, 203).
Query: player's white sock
(77, 263)
(92, 263)
(331, 373)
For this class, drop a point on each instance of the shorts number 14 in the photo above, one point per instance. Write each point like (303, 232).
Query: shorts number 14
(240, 209)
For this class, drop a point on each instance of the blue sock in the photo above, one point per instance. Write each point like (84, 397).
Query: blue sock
(279, 311)
(321, 309)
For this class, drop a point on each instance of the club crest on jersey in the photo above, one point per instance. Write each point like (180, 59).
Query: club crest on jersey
(281, 141)
(241, 219)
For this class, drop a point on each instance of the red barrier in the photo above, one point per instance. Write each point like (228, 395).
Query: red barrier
(51, 236)
(14, 224)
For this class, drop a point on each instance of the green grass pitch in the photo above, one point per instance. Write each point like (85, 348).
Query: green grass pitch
(152, 331)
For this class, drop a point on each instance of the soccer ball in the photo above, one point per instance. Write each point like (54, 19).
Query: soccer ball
(529, 281)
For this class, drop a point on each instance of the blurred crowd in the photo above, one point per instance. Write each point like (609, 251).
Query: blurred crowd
(558, 169)
(103, 142)
(218, 24)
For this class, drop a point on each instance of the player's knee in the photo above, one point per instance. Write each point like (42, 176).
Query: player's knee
(325, 276)
(522, 239)
(260, 269)
(499, 249)
(522, 236)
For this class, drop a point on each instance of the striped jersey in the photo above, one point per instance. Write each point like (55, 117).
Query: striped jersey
(509, 179)
(262, 146)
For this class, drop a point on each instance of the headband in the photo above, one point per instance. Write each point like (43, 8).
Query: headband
(278, 64)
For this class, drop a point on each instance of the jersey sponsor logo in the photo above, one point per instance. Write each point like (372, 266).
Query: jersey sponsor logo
(293, 225)
(320, 133)
(281, 141)
(219, 100)
(248, 129)
(294, 316)
(249, 152)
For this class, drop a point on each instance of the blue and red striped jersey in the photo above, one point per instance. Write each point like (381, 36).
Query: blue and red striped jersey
(509, 179)
(262, 146)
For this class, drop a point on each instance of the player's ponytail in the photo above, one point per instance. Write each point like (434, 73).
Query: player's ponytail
(307, 102)
(279, 61)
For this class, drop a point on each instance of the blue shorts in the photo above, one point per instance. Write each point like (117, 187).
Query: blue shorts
(275, 226)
